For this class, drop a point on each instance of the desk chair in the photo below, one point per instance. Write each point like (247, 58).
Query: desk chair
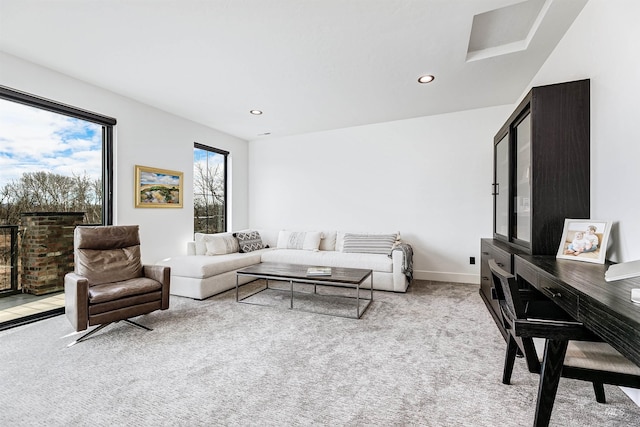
(585, 356)
(109, 282)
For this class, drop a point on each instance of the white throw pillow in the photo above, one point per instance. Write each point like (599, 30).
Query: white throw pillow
(328, 242)
(217, 242)
(306, 240)
(221, 244)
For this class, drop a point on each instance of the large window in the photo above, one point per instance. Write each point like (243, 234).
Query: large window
(209, 189)
(54, 158)
(55, 172)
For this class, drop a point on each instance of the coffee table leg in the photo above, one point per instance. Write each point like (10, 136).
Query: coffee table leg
(291, 305)
(236, 288)
(371, 287)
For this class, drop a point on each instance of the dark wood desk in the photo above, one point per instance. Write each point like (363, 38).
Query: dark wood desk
(603, 307)
(579, 288)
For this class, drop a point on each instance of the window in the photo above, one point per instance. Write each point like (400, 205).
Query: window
(56, 171)
(62, 148)
(209, 189)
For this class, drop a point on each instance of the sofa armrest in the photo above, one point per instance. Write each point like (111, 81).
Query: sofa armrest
(76, 300)
(162, 274)
(191, 248)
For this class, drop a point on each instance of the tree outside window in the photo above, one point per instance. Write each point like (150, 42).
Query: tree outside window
(209, 189)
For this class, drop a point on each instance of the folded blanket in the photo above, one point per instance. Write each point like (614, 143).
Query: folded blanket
(407, 250)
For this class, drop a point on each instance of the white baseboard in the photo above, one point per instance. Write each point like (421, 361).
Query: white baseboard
(446, 277)
(633, 393)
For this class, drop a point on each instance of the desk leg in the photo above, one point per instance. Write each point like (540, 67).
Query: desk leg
(554, 352)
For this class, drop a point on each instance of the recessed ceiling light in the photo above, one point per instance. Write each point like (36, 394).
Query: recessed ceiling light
(255, 112)
(428, 78)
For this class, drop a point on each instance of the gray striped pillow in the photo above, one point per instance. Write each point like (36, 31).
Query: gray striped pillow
(369, 243)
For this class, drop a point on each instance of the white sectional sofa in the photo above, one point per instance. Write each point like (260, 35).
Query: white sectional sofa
(212, 260)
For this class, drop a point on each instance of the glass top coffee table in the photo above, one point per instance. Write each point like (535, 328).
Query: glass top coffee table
(310, 275)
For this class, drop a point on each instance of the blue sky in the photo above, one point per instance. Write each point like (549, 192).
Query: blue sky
(35, 140)
(159, 178)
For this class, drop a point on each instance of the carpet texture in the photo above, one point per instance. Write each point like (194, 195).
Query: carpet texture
(430, 357)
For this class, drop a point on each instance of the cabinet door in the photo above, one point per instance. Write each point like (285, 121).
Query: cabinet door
(522, 181)
(501, 188)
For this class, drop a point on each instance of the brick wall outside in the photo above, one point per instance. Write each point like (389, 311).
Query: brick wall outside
(46, 251)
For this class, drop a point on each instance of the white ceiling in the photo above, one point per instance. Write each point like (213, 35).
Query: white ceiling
(310, 65)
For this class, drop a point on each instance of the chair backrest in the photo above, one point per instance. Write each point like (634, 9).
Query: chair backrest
(513, 308)
(508, 294)
(105, 254)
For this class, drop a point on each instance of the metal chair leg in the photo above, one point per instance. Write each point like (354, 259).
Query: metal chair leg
(131, 322)
(104, 325)
(88, 334)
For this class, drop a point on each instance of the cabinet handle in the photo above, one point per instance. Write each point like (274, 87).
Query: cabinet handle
(485, 253)
(553, 293)
(496, 189)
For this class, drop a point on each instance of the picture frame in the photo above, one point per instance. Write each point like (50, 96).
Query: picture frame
(578, 239)
(158, 188)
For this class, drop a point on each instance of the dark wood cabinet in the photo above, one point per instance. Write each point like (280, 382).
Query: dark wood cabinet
(541, 177)
(541, 167)
(502, 253)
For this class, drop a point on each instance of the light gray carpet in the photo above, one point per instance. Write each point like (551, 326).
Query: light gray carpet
(431, 357)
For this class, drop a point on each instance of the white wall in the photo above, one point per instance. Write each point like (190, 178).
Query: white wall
(602, 45)
(145, 136)
(429, 178)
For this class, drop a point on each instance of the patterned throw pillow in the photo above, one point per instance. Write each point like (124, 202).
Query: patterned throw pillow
(306, 240)
(369, 243)
(249, 241)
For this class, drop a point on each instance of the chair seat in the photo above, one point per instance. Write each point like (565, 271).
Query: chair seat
(113, 291)
(598, 356)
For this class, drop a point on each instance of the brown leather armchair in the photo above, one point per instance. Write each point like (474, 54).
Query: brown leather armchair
(109, 282)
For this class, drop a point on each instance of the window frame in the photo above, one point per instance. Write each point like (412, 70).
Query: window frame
(197, 145)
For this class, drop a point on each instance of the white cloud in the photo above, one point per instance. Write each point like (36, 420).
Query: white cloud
(33, 140)
(158, 178)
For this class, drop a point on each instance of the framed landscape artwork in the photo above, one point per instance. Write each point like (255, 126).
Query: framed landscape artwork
(157, 188)
(584, 240)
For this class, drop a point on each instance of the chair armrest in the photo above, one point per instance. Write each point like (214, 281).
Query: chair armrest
(554, 330)
(162, 274)
(76, 300)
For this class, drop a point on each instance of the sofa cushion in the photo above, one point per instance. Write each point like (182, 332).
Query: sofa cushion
(220, 244)
(369, 243)
(376, 262)
(114, 291)
(202, 266)
(306, 240)
(249, 241)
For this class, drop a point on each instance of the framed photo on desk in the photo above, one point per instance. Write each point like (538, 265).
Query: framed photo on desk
(584, 240)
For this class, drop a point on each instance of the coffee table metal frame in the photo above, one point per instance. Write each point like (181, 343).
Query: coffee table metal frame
(280, 274)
